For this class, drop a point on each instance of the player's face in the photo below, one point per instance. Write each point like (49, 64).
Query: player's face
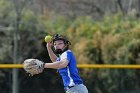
(59, 44)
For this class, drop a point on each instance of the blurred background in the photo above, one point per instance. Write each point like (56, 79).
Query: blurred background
(101, 32)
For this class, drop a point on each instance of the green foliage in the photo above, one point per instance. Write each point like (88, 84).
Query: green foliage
(111, 40)
(133, 52)
(56, 25)
(5, 28)
(4, 7)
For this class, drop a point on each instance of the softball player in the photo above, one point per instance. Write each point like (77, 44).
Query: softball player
(66, 65)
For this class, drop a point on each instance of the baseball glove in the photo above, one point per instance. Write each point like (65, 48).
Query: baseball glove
(33, 66)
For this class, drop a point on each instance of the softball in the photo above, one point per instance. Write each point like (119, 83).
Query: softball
(48, 38)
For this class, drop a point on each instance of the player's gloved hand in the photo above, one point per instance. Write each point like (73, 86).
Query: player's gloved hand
(33, 66)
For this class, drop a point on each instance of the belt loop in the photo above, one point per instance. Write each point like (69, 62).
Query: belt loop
(68, 87)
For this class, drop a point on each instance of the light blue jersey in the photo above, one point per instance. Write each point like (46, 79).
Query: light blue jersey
(69, 74)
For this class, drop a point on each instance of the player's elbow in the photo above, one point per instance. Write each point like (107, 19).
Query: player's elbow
(63, 65)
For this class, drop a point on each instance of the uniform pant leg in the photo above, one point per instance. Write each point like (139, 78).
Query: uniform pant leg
(78, 89)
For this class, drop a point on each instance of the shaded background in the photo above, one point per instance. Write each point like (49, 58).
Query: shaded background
(101, 32)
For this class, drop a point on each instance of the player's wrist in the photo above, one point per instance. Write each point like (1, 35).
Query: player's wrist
(43, 65)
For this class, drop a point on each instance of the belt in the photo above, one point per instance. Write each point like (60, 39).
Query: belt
(68, 87)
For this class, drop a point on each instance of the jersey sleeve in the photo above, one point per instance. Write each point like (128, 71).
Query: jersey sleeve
(65, 55)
